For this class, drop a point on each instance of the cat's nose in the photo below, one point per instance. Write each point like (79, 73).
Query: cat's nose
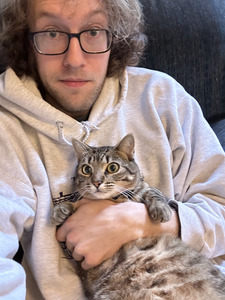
(97, 184)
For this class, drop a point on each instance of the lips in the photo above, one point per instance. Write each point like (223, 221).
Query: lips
(74, 83)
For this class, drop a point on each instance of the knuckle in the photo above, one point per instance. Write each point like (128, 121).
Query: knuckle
(70, 238)
(79, 250)
(92, 261)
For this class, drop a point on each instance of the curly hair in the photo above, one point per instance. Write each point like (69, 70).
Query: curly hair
(125, 21)
(15, 45)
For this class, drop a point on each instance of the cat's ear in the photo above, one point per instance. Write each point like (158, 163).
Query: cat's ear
(79, 148)
(126, 146)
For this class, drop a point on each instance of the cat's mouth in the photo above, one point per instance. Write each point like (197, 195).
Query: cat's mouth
(109, 191)
(98, 194)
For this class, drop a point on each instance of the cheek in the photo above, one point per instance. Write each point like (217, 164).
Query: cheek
(46, 64)
(81, 181)
(100, 65)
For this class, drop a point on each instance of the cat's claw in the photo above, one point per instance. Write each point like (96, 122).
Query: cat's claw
(61, 212)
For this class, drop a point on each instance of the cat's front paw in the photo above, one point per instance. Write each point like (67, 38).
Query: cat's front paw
(160, 213)
(61, 212)
(158, 208)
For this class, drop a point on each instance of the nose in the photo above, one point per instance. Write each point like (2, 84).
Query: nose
(97, 183)
(75, 56)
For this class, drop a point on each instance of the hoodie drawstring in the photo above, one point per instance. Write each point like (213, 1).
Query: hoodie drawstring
(87, 127)
(61, 133)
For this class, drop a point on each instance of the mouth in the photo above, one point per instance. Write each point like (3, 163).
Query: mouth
(98, 195)
(74, 83)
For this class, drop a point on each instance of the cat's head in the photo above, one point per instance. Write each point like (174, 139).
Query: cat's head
(105, 172)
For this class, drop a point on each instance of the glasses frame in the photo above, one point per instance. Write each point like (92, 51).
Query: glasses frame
(70, 36)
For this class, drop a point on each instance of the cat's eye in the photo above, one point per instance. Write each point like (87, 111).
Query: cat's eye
(86, 170)
(113, 168)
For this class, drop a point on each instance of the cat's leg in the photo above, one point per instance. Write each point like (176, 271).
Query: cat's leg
(61, 212)
(157, 204)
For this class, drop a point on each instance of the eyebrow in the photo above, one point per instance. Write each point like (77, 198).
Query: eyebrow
(43, 14)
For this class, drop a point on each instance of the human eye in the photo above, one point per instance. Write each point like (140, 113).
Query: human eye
(52, 34)
(92, 33)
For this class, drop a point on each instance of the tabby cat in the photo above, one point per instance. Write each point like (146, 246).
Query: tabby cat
(160, 268)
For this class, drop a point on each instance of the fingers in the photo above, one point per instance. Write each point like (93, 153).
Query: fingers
(86, 266)
(80, 258)
(63, 230)
(66, 230)
(87, 230)
(61, 234)
(79, 254)
(73, 250)
(90, 262)
(77, 257)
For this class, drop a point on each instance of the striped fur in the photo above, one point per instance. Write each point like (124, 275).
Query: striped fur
(161, 268)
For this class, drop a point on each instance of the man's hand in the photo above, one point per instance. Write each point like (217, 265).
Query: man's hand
(99, 228)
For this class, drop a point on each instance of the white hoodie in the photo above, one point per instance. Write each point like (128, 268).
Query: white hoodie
(175, 149)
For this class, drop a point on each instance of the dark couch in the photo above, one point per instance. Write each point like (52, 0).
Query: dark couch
(187, 41)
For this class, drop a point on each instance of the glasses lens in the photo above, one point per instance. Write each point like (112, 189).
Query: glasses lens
(95, 40)
(51, 42)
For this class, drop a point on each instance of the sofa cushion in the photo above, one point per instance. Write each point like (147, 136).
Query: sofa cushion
(187, 41)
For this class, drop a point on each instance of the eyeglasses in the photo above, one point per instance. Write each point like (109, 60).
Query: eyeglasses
(52, 42)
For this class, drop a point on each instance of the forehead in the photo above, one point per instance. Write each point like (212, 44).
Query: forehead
(65, 8)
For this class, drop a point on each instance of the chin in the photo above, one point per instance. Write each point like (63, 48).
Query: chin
(99, 196)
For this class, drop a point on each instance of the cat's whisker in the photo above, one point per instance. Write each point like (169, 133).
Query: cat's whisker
(136, 196)
(129, 194)
(81, 191)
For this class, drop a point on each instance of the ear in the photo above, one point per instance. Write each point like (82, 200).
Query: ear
(79, 148)
(126, 146)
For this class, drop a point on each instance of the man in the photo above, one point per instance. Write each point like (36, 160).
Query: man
(67, 78)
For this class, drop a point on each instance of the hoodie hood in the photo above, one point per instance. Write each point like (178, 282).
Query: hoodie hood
(22, 98)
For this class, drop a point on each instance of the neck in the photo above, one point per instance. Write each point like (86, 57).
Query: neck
(77, 115)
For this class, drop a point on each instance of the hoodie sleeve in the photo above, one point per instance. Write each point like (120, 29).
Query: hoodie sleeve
(16, 214)
(199, 180)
